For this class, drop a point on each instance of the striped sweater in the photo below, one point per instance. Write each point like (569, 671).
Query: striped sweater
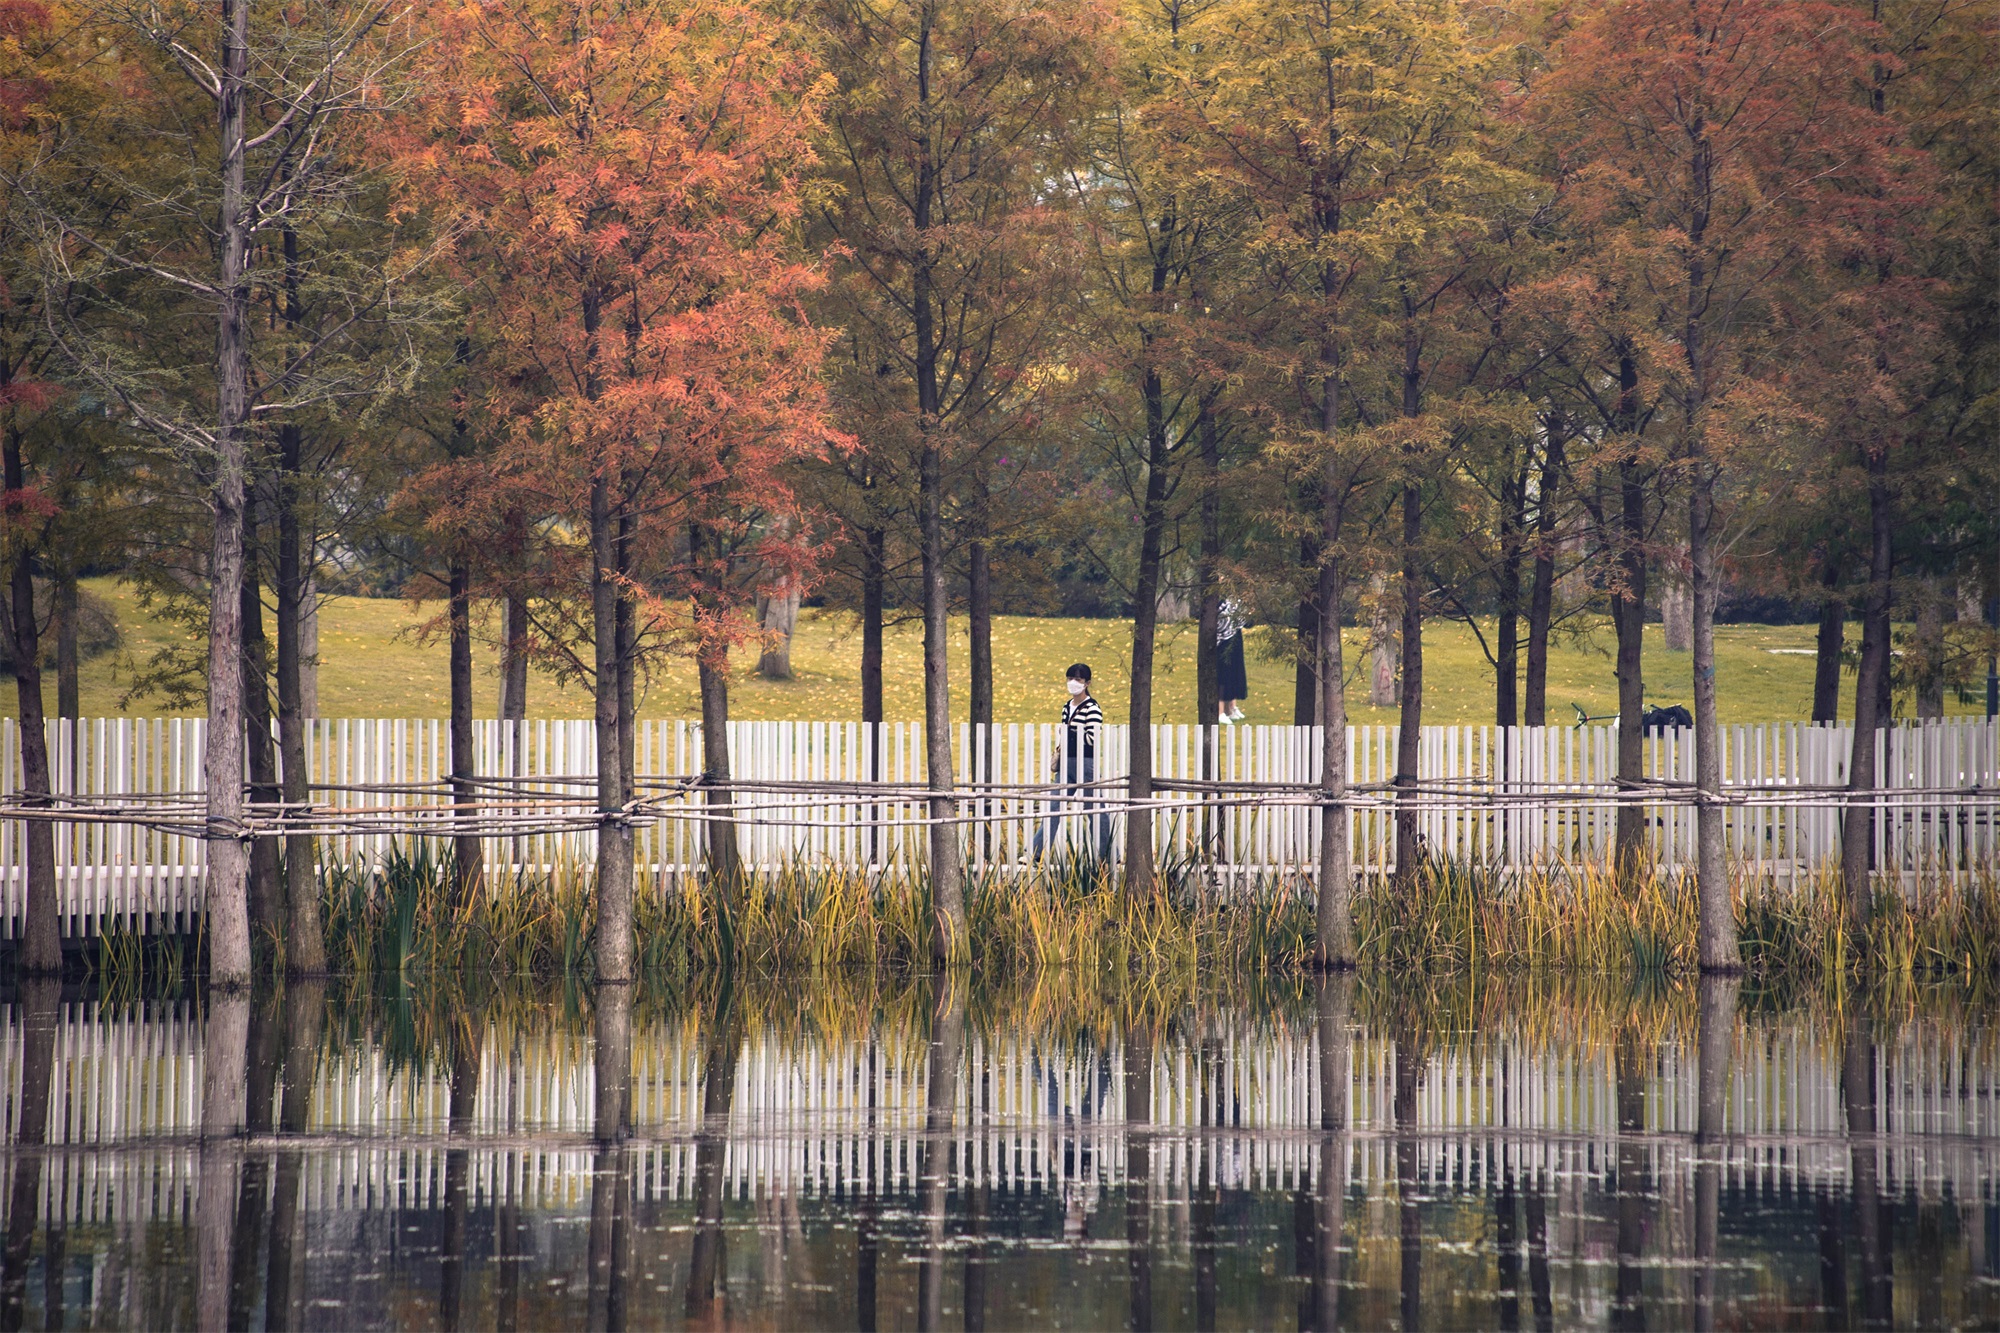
(1081, 720)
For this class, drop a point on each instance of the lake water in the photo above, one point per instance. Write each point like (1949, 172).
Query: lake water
(895, 1153)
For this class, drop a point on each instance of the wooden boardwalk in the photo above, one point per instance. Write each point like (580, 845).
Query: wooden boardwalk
(1946, 822)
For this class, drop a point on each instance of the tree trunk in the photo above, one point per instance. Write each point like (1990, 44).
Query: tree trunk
(1857, 839)
(266, 906)
(1145, 627)
(1718, 951)
(1305, 674)
(305, 947)
(1676, 604)
(1410, 719)
(309, 635)
(514, 658)
(1333, 924)
(41, 945)
(1827, 648)
(1507, 650)
(778, 617)
(1207, 582)
(1718, 913)
(1628, 615)
(1409, 847)
(979, 615)
(467, 852)
(1929, 653)
(725, 857)
(614, 836)
(949, 941)
(1541, 596)
(874, 575)
(65, 612)
(780, 620)
(222, 760)
(1382, 646)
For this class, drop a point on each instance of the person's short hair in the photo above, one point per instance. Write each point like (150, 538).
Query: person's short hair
(1078, 671)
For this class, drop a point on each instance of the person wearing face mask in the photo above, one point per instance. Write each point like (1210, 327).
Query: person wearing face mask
(1075, 763)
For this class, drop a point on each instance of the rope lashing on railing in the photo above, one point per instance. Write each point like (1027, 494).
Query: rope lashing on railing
(506, 807)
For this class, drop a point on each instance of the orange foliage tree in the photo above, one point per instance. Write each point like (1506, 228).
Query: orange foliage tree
(1726, 160)
(626, 181)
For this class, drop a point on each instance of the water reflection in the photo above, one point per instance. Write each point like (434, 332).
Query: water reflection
(919, 1152)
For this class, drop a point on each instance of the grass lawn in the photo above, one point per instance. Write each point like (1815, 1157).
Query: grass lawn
(371, 665)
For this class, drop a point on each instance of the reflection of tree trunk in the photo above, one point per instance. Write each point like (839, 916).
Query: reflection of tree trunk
(1871, 1234)
(1507, 1242)
(1203, 1201)
(40, 1007)
(976, 1257)
(1410, 1219)
(1538, 1259)
(1336, 1077)
(259, 1117)
(465, 1059)
(1717, 1037)
(1833, 1260)
(934, 1171)
(707, 1293)
(1627, 1310)
(610, 1180)
(1139, 1174)
(867, 1243)
(305, 1006)
(218, 1161)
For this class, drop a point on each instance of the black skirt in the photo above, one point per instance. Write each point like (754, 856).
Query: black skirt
(1231, 680)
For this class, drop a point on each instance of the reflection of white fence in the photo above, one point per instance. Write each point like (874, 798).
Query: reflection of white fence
(828, 1116)
(125, 874)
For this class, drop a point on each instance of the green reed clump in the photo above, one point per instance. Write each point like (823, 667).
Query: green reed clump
(1554, 916)
(404, 917)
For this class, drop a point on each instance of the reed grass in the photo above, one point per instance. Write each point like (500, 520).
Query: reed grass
(402, 918)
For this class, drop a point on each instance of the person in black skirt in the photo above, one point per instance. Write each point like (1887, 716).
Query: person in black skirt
(1232, 681)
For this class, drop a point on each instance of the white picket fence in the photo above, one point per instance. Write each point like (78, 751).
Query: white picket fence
(123, 875)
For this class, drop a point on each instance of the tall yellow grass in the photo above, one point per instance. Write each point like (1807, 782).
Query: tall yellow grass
(403, 919)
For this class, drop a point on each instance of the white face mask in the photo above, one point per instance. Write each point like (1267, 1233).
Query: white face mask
(1076, 687)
